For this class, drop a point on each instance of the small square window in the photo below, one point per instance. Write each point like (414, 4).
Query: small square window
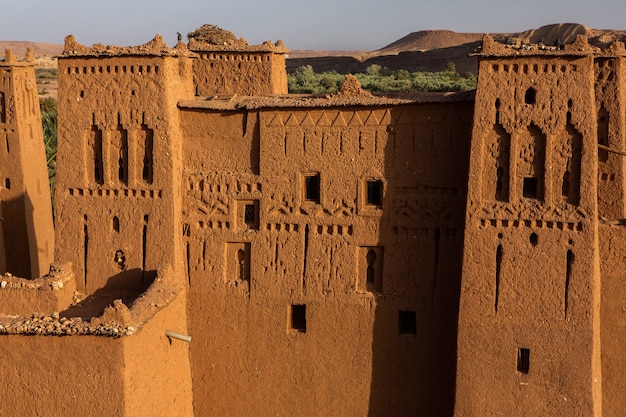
(312, 187)
(407, 323)
(523, 360)
(374, 193)
(298, 317)
(530, 187)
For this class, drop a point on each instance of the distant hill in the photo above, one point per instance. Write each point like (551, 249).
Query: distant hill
(19, 48)
(425, 40)
(431, 50)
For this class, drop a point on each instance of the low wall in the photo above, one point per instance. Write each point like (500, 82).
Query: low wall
(45, 295)
(118, 364)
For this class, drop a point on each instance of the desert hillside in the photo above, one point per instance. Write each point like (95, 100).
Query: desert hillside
(425, 40)
(19, 48)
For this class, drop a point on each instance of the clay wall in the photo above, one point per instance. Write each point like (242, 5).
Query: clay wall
(58, 376)
(610, 99)
(612, 243)
(24, 190)
(328, 243)
(251, 73)
(157, 373)
(528, 311)
(119, 165)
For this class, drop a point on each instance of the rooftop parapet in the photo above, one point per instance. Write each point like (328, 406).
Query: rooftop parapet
(46, 294)
(11, 60)
(117, 319)
(580, 47)
(156, 47)
(213, 38)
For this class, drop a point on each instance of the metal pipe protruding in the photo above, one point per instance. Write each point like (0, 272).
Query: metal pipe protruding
(179, 336)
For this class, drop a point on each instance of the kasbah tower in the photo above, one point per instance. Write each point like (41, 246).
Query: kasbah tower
(223, 248)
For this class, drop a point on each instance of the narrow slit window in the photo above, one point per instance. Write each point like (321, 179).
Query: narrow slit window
(374, 193)
(312, 187)
(407, 323)
(298, 318)
(523, 360)
(148, 144)
(371, 270)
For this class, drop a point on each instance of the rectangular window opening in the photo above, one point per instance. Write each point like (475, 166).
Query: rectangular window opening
(298, 317)
(312, 188)
(374, 193)
(250, 215)
(523, 360)
(530, 187)
(407, 323)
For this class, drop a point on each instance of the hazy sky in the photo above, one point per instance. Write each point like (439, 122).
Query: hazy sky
(312, 24)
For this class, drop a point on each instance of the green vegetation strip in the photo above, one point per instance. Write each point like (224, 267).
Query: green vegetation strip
(304, 80)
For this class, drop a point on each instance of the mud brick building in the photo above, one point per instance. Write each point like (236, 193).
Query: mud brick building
(436, 254)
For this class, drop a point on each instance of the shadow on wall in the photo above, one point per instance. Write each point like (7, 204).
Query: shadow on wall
(17, 218)
(126, 286)
(421, 234)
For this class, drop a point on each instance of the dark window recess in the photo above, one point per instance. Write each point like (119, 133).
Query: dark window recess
(298, 317)
(7, 183)
(243, 265)
(565, 184)
(531, 96)
(523, 360)
(407, 323)
(116, 224)
(530, 187)
(312, 188)
(3, 112)
(499, 176)
(374, 192)
(534, 239)
(497, 111)
(371, 271)
(250, 215)
(603, 133)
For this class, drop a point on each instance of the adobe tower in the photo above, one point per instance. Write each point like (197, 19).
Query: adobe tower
(27, 233)
(529, 324)
(119, 178)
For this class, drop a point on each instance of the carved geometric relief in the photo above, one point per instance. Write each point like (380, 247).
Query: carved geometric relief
(568, 166)
(531, 163)
(424, 205)
(496, 168)
(119, 154)
(94, 164)
(145, 137)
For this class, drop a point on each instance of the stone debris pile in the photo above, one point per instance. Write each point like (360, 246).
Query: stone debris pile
(62, 326)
